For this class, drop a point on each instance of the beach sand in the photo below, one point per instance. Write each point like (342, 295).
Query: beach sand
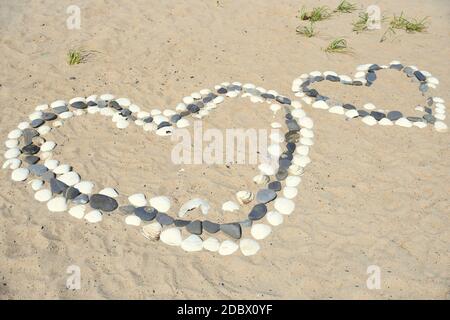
(371, 196)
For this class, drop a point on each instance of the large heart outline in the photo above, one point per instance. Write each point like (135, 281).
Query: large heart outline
(121, 110)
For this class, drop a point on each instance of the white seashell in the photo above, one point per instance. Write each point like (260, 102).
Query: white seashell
(351, 113)
(193, 204)
(70, 178)
(78, 112)
(41, 107)
(249, 247)
(403, 122)
(293, 181)
(171, 236)
(274, 218)
(183, 123)
(85, 187)
(284, 206)
(12, 164)
(12, 143)
(261, 179)
(36, 184)
(152, 231)
(77, 99)
(306, 122)
(108, 112)
(66, 115)
(106, 97)
(134, 108)
(244, 196)
(23, 125)
(92, 98)
(192, 243)
(133, 220)
(138, 200)
(156, 112)
(150, 127)
(51, 164)
(260, 231)
(440, 126)
(57, 204)
(336, 110)
(62, 168)
(143, 114)
(290, 192)
(93, 216)
(43, 130)
(124, 102)
(440, 116)
(110, 192)
(276, 125)
(302, 150)
(298, 113)
(227, 247)
(43, 195)
(188, 100)
(15, 134)
(20, 174)
(369, 120)
(230, 206)
(385, 122)
(369, 106)
(266, 169)
(78, 211)
(274, 107)
(438, 100)
(122, 123)
(420, 124)
(320, 104)
(275, 150)
(164, 131)
(35, 115)
(345, 79)
(46, 155)
(301, 161)
(48, 146)
(12, 153)
(296, 104)
(161, 203)
(211, 244)
(295, 170)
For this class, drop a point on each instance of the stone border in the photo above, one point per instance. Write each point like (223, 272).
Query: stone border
(65, 187)
(369, 114)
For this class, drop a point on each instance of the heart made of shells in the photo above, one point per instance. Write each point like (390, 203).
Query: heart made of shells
(66, 191)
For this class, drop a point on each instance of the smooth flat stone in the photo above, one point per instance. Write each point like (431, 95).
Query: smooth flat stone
(429, 118)
(71, 193)
(37, 169)
(377, 115)
(419, 75)
(275, 185)
(265, 195)
(31, 159)
(57, 186)
(79, 105)
(81, 199)
(36, 123)
(394, 115)
(164, 219)
(146, 213)
(210, 227)
(47, 176)
(48, 116)
(181, 223)
(30, 149)
(232, 229)
(195, 227)
(257, 212)
(103, 203)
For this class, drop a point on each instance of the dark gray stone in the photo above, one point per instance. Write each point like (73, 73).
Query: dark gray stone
(409, 71)
(57, 187)
(281, 174)
(274, 185)
(164, 219)
(127, 209)
(333, 78)
(292, 136)
(398, 67)
(258, 212)
(394, 115)
(36, 123)
(193, 108)
(60, 109)
(210, 227)
(103, 202)
(312, 93)
(92, 104)
(378, 115)
(31, 159)
(349, 106)
(265, 195)
(81, 199)
(71, 193)
(363, 113)
(28, 135)
(181, 223)
(232, 229)
(283, 100)
(38, 169)
(148, 119)
(292, 125)
(48, 176)
(79, 105)
(146, 213)
(247, 223)
(291, 147)
(419, 76)
(115, 105)
(30, 149)
(195, 227)
(423, 87)
(48, 116)
(371, 76)
(267, 96)
(415, 119)
(164, 124)
(175, 118)
(222, 90)
(374, 67)
(429, 118)
(125, 112)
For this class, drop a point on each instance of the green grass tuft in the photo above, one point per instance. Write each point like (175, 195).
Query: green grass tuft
(402, 23)
(345, 7)
(315, 15)
(338, 45)
(307, 31)
(360, 25)
(76, 56)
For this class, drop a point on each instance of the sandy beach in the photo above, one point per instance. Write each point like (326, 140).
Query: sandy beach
(372, 196)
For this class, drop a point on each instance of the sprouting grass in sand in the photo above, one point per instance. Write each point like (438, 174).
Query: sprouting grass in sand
(307, 31)
(345, 7)
(76, 56)
(338, 45)
(361, 24)
(407, 24)
(315, 15)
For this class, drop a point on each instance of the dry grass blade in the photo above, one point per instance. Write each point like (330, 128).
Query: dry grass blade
(307, 31)
(338, 45)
